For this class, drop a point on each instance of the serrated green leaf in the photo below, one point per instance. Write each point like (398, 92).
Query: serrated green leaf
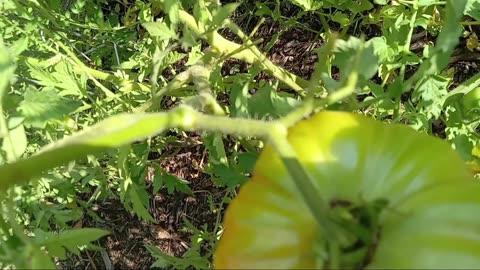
(138, 206)
(194, 55)
(159, 29)
(188, 38)
(68, 240)
(260, 105)
(39, 107)
(431, 94)
(284, 104)
(360, 6)
(214, 144)
(174, 183)
(160, 262)
(381, 49)
(350, 53)
(20, 46)
(222, 13)
(263, 10)
(11, 102)
(472, 9)
(40, 260)
(172, 8)
(172, 58)
(463, 145)
(201, 13)
(449, 37)
(246, 161)
(228, 176)
(62, 77)
(340, 18)
(157, 179)
(267, 103)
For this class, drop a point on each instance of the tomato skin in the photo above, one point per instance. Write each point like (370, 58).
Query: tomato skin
(355, 159)
(471, 101)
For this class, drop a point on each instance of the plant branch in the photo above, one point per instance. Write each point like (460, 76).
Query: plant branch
(251, 55)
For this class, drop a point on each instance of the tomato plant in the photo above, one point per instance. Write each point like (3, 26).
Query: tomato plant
(340, 123)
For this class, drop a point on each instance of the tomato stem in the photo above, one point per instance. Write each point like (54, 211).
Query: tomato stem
(250, 54)
(319, 207)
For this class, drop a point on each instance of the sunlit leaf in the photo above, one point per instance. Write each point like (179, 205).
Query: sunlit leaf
(472, 9)
(39, 107)
(159, 29)
(349, 53)
(431, 94)
(223, 13)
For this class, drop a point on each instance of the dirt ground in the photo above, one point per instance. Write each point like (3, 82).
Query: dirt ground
(124, 248)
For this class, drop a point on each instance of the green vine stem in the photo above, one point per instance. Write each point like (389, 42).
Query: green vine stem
(122, 129)
(406, 50)
(178, 82)
(250, 55)
(318, 206)
(465, 87)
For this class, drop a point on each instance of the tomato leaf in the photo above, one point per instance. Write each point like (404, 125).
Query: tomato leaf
(39, 107)
(431, 94)
(352, 51)
(159, 29)
(472, 9)
(138, 206)
(69, 240)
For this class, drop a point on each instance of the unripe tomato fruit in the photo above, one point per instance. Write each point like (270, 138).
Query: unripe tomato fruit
(471, 102)
(432, 220)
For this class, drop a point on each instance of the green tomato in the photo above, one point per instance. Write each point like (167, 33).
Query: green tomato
(471, 102)
(428, 215)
